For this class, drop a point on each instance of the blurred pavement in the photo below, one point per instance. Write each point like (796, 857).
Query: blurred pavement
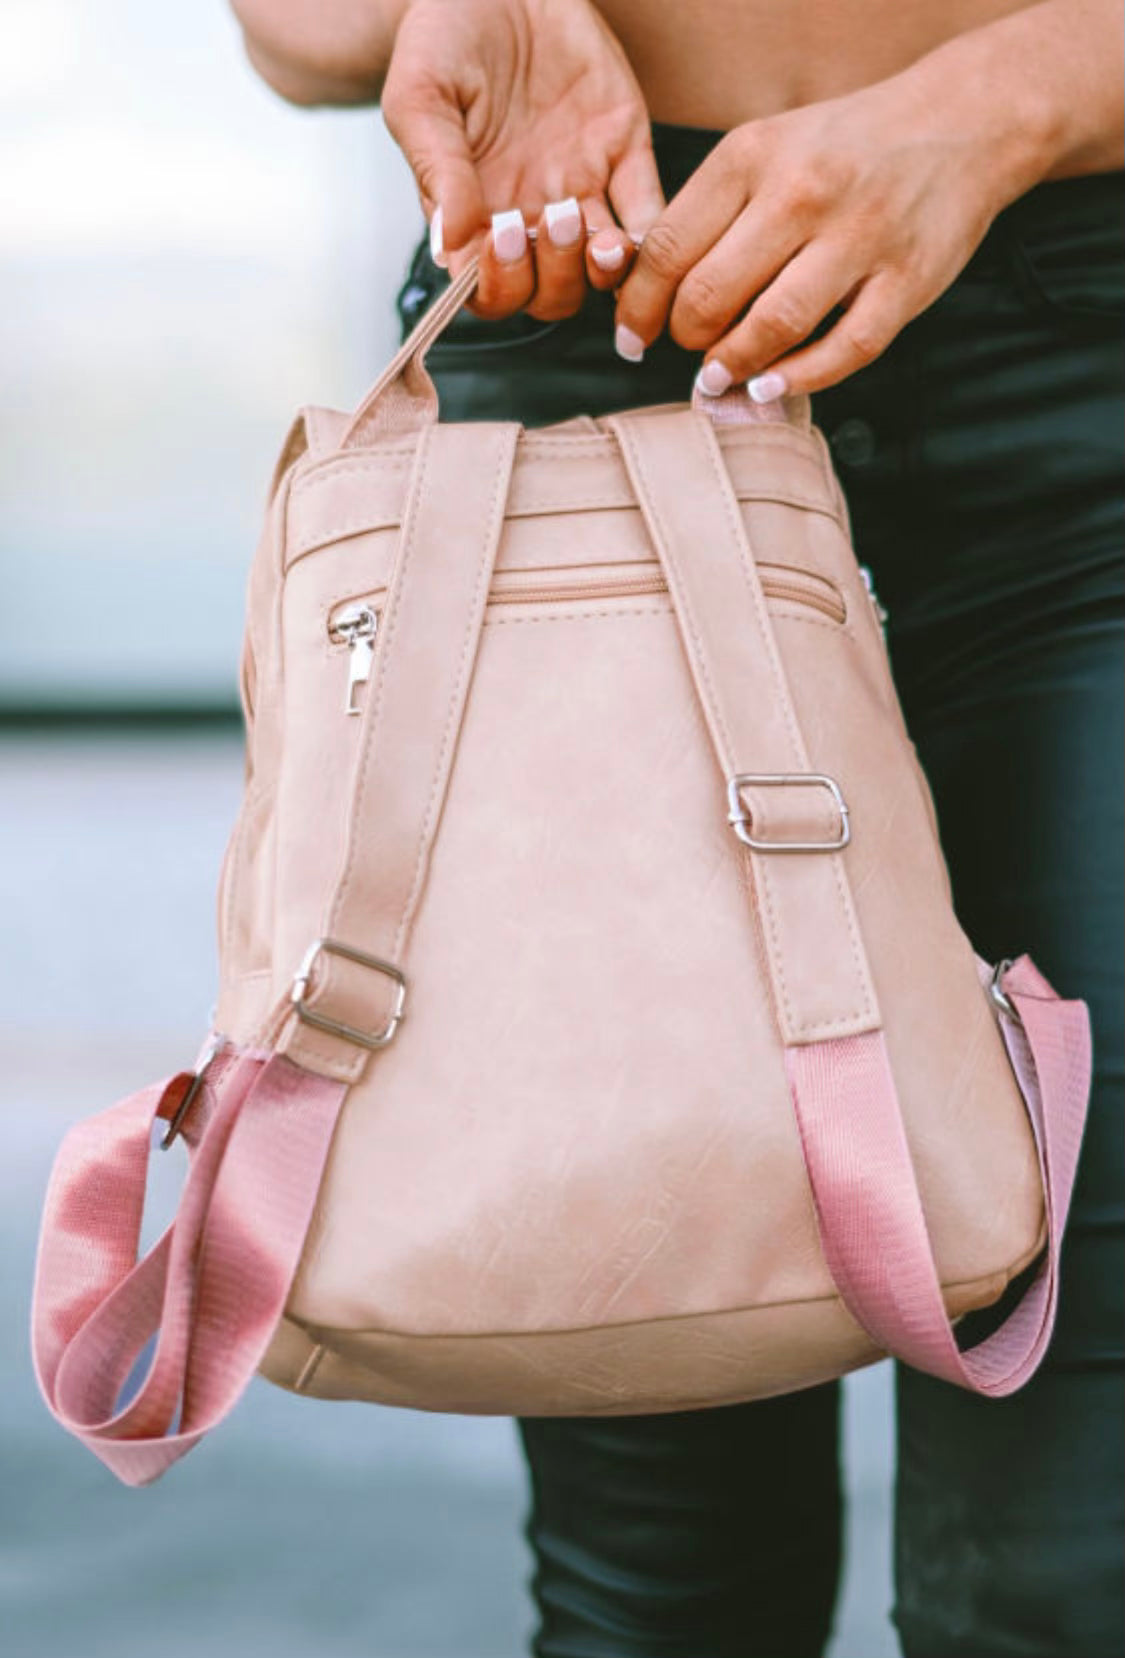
(342, 1531)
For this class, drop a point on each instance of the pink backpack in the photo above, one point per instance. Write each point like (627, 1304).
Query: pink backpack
(598, 1036)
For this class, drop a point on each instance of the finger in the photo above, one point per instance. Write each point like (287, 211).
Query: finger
(695, 219)
(875, 317)
(506, 279)
(781, 318)
(560, 261)
(635, 191)
(731, 274)
(609, 250)
(432, 137)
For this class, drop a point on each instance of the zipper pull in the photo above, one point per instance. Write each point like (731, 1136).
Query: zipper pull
(881, 614)
(356, 628)
(361, 653)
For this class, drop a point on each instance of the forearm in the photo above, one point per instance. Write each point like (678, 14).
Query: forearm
(321, 51)
(1047, 80)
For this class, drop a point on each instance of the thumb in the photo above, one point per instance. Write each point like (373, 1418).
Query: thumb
(436, 149)
(635, 191)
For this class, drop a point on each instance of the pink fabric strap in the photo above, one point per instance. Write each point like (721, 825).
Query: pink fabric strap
(870, 1215)
(215, 1286)
(211, 1290)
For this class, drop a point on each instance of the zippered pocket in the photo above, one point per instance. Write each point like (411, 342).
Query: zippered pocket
(353, 624)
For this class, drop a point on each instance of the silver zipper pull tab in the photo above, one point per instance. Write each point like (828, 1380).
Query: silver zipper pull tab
(361, 654)
(355, 627)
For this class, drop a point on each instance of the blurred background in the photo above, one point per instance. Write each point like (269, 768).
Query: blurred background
(183, 261)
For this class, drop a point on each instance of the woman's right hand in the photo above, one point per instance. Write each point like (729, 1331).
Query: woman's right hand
(517, 113)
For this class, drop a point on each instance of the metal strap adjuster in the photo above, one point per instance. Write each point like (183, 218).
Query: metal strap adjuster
(999, 995)
(336, 1027)
(739, 818)
(211, 1049)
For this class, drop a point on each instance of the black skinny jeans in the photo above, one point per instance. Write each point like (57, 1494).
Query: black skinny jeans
(981, 457)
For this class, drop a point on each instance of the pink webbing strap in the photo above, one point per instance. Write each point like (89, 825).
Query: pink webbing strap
(211, 1290)
(872, 1228)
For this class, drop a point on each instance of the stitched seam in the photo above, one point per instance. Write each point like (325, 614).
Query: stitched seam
(715, 707)
(392, 460)
(327, 1330)
(561, 506)
(534, 446)
(315, 540)
(763, 882)
(575, 616)
(761, 878)
(777, 674)
(809, 621)
(561, 500)
(757, 603)
(377, 692)
(349, 1068)
(684, 603)
(397, 461)
(493, 525)
(537, 445)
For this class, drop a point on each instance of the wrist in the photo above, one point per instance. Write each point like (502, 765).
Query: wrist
(1008, 118)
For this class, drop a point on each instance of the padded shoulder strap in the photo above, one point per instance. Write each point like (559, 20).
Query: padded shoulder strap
(818, 969)
(869, 1211)
(211, 1291)
(426, 650)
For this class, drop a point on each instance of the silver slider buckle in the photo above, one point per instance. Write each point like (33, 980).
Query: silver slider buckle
(336, 1027)
(739, 818)
(999, 995)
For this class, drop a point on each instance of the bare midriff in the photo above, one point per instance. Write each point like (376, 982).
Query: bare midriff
(718, 63)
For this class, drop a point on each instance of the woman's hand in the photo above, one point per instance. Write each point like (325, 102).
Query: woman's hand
(524, 113)
(872, 202)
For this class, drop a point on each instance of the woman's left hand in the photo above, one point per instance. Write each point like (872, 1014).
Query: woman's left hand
(873, 202)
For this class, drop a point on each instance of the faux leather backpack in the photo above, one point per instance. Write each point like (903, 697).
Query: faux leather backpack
(597, 1033)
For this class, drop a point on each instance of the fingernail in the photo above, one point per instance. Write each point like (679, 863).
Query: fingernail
(607, 259)
(564, 222)
(437, 246)
(628, 345)
(714, 378)
(766, 387)
(509, 236)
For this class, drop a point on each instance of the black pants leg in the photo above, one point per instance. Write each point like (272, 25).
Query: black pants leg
(981, 459)
(708, 1534)
(988, 499)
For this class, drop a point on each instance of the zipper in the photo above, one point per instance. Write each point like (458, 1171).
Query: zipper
(354, 624)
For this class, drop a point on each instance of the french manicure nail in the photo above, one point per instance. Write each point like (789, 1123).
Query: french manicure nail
(714, 378)
(509, 236)
(437, 245)
(608, 259)
(564, 222)
(766, 387)
(628, 345)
